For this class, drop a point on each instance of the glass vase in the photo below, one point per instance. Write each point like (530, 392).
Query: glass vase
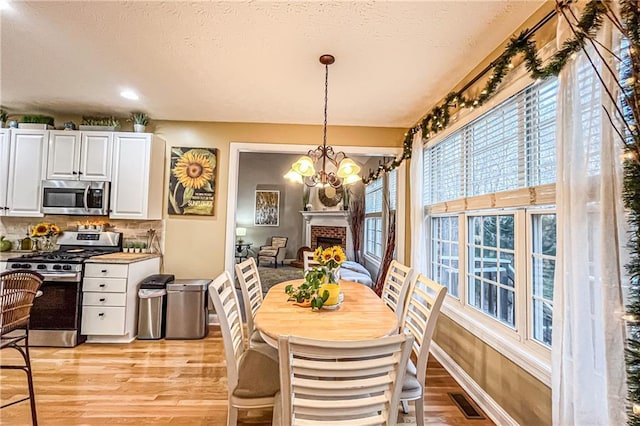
(48, 244)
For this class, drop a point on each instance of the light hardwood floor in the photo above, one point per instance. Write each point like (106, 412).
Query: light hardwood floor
(178, 382)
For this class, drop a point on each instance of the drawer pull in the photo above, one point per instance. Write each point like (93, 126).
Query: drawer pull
(102, 285)
(103, 299)
(104, 271)
(101, 314)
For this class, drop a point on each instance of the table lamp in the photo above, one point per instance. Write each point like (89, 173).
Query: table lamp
(241, 232)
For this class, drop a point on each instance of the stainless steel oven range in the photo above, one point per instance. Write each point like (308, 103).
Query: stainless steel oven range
(56, 316)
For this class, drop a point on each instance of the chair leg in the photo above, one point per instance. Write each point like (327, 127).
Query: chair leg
(24, 352)
(32, 394)
(232, 416)
(275, 263)
(405, 406)
(420, 411)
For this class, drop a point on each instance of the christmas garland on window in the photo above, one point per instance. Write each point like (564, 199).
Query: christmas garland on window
(627, 111)
(439, 117)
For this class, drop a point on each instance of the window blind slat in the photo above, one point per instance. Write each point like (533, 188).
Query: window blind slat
(511, 146)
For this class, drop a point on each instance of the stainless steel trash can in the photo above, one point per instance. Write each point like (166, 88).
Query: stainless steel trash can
(187, 311)
(150, 313)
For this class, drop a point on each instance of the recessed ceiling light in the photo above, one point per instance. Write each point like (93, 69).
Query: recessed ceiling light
(4, 5)
(129, 94)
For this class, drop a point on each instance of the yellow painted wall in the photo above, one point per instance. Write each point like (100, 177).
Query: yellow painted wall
(194, 246)
(525, 398)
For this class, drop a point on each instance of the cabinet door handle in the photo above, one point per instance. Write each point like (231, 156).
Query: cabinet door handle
(103, 299)
(74, 173)
(101, 314)
(104, 271)
(79, 173)
(102, 285)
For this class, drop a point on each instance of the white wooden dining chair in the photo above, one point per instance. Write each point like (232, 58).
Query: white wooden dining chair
(396, 285)
(340, 382)
(309, 262)
(420, 316)
(252, 376)
(249, 279)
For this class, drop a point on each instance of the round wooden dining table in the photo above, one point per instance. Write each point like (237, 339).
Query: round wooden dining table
(361, 316)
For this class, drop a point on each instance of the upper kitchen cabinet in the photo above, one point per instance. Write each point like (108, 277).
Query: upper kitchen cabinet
(80, 155)
(27, 168)
(137, 177)
(4, 170)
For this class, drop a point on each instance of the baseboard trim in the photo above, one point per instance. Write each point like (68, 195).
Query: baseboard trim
(484, 401)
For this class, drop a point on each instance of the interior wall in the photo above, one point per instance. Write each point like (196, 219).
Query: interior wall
(525, 398)
(253, 175)
(194, 245)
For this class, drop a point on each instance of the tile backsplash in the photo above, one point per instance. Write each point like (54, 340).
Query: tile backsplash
(15, 228)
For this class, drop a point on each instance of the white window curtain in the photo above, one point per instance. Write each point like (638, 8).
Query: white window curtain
(417, 217)
(588, 372)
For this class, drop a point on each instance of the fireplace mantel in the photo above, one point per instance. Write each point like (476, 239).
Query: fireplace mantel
(309, 214)
(326, 218)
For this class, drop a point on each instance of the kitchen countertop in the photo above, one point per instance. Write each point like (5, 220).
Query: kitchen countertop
(121, 257)
(4, 255)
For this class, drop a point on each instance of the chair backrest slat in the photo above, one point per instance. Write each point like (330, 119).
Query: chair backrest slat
(309, 263)
(424, 301)
(326, 382)
(225, 301)
(249, 279)
(396, 285)
(17, 291)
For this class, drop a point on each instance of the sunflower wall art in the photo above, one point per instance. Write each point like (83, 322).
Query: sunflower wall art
(192, 181)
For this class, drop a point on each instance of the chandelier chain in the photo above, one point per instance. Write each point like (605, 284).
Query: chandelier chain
(326, 100)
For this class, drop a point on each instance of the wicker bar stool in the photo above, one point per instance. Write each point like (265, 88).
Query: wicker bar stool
(17, 291)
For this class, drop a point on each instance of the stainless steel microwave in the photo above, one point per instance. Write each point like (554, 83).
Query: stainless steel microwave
(75, 197)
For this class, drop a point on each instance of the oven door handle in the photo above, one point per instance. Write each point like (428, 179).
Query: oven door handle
(86, 197)
(72, 277)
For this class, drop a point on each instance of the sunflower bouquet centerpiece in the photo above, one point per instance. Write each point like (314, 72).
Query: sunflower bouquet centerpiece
(321, 286)
(46, 233)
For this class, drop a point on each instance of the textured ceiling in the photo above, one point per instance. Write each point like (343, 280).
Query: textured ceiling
(247, 61)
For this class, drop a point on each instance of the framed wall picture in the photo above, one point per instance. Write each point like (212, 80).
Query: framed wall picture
(192, 181)
(267, 208)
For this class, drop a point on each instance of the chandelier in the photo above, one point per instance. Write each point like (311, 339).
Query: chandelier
(311, 169)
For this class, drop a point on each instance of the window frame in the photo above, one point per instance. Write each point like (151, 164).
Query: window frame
(533, 344)
(515, 343)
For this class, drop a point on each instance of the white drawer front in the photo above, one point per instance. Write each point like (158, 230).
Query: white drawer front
(106, 270)
(109, 285)
(104, 299)
(103, 320)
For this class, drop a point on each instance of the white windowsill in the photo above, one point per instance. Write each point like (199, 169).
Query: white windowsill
(513, 350)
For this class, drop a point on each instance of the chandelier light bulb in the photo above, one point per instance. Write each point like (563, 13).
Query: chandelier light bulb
(351, 179)
(347, 168)
(304, 166)
(293, 176)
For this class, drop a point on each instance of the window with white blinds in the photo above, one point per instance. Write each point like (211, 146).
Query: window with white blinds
(443, 170)
(511, 146)
(373, 218)
(373, 197)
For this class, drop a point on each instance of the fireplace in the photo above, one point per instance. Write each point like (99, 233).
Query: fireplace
(327, 242)
(331, 225)
(327, 236)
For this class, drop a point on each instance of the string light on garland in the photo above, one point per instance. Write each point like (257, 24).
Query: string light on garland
(439, 118)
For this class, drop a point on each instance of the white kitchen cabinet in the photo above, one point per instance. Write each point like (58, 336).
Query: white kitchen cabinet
(137, 177)
(110, 299)
(3, 266)
(79, 155)
(27, 168)
(4, 170)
